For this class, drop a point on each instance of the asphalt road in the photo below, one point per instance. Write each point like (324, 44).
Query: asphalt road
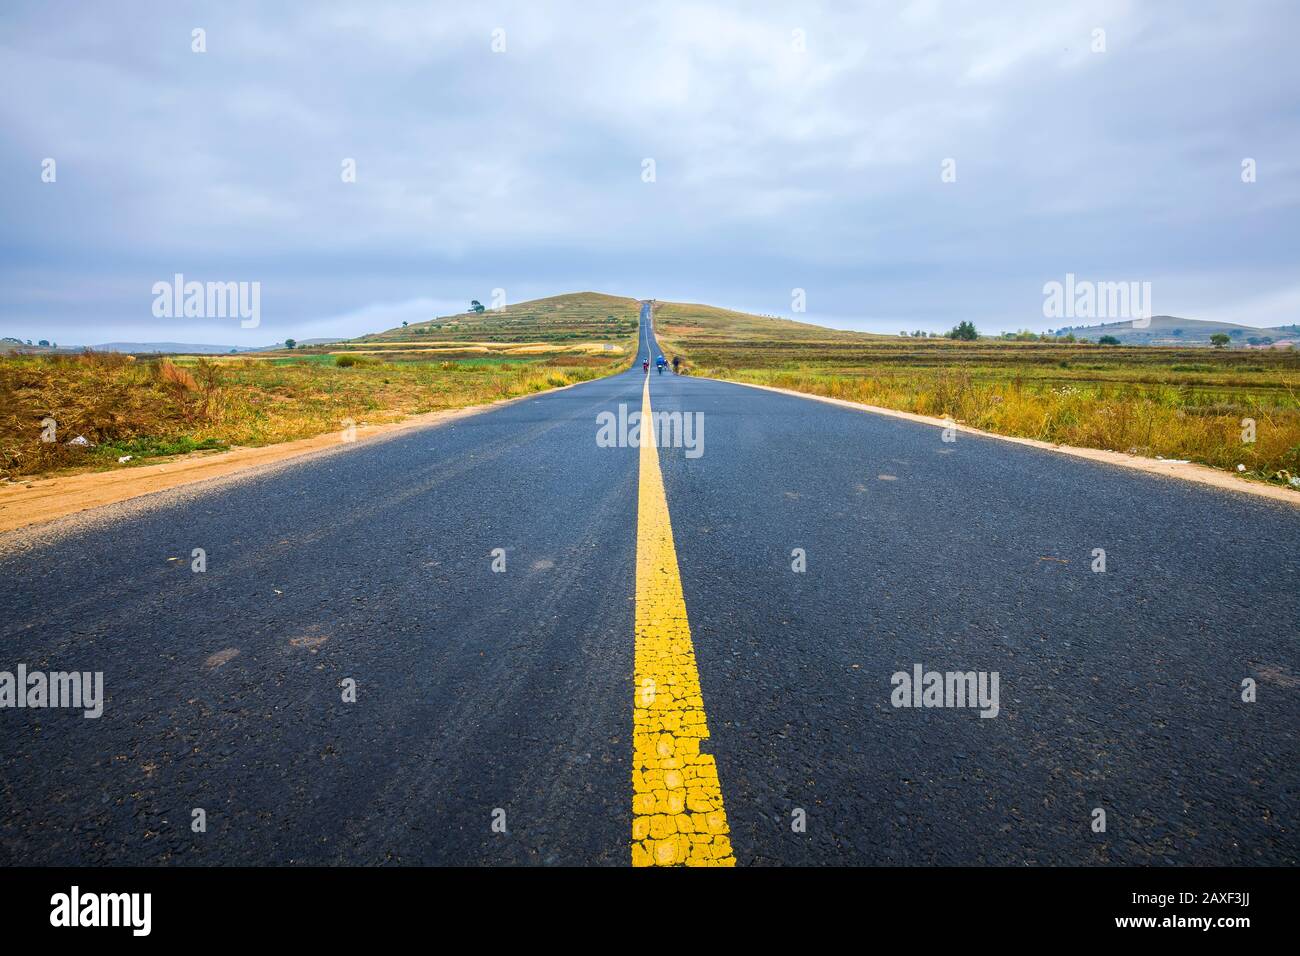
(490, 701)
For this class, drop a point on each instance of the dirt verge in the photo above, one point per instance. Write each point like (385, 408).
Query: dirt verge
(24, 503)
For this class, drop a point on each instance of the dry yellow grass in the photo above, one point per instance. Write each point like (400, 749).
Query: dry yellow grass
(1179, 403)
(152, 408)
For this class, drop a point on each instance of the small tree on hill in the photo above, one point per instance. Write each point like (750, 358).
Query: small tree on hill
(964, 331)
(1219, 339)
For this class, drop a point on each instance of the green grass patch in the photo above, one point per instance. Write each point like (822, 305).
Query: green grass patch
(152, 447)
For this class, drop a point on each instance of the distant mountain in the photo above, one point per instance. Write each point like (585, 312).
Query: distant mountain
(172, 347)
(1172, 330)
(139, 348)
(185, 348)
(298, 342)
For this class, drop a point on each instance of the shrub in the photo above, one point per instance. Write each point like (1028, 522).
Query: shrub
(353, 361)
(176, 377)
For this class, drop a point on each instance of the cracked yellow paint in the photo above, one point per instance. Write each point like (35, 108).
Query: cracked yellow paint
(677, 812)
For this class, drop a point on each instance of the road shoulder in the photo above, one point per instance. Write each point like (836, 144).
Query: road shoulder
(1183, 470)
(27, 503)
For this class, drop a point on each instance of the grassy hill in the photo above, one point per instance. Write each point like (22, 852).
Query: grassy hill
(705, 335)
(708, 325)
(587, 321)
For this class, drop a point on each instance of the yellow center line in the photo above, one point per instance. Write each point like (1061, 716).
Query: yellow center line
(677, 812)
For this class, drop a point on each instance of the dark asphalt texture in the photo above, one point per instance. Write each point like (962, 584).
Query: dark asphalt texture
(480, 691)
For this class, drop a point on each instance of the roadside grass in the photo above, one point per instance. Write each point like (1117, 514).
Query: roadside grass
(151, 408)
(1180, 403)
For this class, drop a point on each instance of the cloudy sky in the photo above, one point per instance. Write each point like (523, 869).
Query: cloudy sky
(795, 146)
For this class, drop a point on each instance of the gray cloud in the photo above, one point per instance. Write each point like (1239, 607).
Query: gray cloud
(776, 168)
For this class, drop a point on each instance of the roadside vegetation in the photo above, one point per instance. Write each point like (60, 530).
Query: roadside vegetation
(108, 406)
(1179, 403)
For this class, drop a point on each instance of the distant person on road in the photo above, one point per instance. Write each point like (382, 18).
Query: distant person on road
(677, 360)
(645, 366)
(660, 363)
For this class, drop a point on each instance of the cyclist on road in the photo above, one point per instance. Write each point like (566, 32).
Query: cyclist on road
(645, 366)
(660, 363)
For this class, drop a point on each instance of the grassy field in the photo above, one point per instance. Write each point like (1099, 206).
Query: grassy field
(1181, 403)
(150, 407)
